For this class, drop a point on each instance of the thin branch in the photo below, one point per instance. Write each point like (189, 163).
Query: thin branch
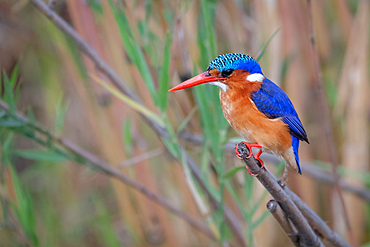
(302, 217)
(141, 157)
(318, 86)
(102, 66)
(106, 169)
(317, 173)
(309, 169)
(284, 222)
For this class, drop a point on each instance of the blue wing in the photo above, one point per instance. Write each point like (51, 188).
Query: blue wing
(295, 145)
(274, 103)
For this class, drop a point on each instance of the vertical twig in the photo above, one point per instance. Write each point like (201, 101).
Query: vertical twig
(284, 222)
(318, 86)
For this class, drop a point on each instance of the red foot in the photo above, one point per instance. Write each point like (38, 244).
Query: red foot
(249, 146)
(257, 156)
(251, 173)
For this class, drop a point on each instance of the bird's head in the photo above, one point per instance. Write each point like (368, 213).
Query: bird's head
(231, 70)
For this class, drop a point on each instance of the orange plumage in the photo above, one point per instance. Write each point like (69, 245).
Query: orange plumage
(244, 117)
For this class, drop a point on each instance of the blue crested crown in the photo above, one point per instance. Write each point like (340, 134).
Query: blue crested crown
(235, 61)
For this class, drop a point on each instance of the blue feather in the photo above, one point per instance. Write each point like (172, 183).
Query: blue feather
(235, 61)
(295, 145)
(274, 103)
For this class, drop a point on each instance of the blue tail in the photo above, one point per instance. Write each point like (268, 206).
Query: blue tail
(295, 145)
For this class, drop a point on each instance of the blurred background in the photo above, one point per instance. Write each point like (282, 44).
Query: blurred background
(49, 199)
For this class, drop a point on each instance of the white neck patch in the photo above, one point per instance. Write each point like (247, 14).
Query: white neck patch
(221, 85)
(255, 77)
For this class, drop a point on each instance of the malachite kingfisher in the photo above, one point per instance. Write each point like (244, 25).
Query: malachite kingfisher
(254, 106)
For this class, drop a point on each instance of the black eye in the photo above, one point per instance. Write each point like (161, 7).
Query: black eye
(226, 73)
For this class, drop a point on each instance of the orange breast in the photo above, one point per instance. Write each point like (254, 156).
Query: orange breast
(243, 115)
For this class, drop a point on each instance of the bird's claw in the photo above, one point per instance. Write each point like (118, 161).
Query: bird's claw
(249, 146)
(237, 152)
(251, 173)
(257, 156)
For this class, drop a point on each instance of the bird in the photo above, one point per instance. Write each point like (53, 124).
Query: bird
(255, 107)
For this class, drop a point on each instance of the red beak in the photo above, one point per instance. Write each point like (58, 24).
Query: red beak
(196, 80)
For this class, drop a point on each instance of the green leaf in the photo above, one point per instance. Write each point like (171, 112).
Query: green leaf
(148, 10)
(187, 119)
(24, 209)
(208, 11)
(103, 224)
(133, 49)
(236, 196)
(209, 127)
(204, 162)
(61, 110)
(8, 94)
(285, 66)
(95, 6)
(233, 171)
(248, 187)
(8, 122)
(264, 48)
(31, 116)
(260, 219)
(14, 76)
(127, 137)
(40, 155)
(2, 113)
(136, 106)
(164, 76)
(172, 137)
(201, 41)
(29, 132)
(366, 245)
(6, 149)
(170, 147)
(225, 232)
